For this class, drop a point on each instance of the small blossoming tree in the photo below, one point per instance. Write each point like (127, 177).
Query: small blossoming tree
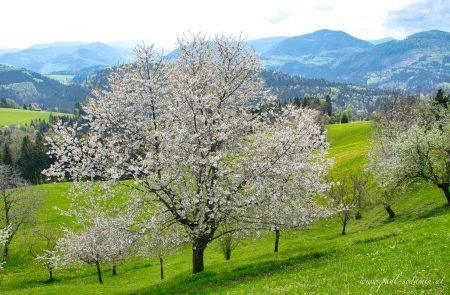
(105, 221)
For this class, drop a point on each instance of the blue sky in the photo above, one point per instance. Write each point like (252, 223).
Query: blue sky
(28, 22)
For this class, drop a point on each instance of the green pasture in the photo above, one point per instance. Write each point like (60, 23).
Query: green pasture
(407, 255)
(10, 117)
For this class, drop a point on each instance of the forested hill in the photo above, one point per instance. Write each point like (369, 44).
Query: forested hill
(24, 87)
(343, 95)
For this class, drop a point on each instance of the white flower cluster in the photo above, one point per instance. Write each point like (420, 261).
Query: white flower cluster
(49, 259)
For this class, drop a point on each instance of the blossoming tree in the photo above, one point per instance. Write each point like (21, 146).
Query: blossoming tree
(18, 204)
(104, 220)
(421, 152)
(191, 133)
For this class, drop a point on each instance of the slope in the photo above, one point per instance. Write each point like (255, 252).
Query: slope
(408, 255)
(18, 117)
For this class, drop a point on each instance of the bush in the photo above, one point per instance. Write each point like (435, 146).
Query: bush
(344, 118)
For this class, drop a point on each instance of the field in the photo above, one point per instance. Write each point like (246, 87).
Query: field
(16, 116)
(63, 79)
(408, 255)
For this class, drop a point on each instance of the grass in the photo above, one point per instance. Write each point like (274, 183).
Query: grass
(349, 145)
(409, 255)
(19, 117)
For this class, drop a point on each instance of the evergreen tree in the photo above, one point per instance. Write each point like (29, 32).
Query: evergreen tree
(33, 159)
(442, 99)
(7, 158)
(27, 161)
(328, 105)
(344, 117)
(42, 160)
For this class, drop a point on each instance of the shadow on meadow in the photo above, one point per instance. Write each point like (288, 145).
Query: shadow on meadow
(188, 283)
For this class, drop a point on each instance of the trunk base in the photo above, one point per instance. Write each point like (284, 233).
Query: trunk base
(197, 260)
(389, 211)
(344, 225)
(99, 272)
(161, 267)
(228, 254)
(277, 239)
(446, 191)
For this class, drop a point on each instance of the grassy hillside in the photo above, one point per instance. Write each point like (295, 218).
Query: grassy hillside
(349, 145)
(17, 117)
(409, 255)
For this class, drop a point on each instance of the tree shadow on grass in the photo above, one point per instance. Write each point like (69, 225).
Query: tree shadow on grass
(433, 212)
(196, 283)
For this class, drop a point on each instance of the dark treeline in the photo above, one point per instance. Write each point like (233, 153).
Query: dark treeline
(347, 100)
(25, 148)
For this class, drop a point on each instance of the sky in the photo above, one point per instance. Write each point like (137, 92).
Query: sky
(27, 22)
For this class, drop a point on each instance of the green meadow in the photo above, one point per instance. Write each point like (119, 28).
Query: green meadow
(20, 117)
(407, 255)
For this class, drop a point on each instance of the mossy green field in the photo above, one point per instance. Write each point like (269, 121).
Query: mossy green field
(19, 117)
(407, 255)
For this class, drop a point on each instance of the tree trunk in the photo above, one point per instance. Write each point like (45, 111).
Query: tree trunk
(228, 254)
(6, 249)
(197, 259)
(99, 272)
(5, 252)
(389, 211)
(51, 275)
(358, 215)
(344, 224)
(445, 189)
(7, 207)
(277, 238)
(114, 271)
(161, 267)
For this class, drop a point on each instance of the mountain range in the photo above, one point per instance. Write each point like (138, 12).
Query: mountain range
(418, 63)
(66, 58)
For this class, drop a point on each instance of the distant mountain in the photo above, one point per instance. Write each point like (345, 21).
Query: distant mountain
(25, 87)
(8, 50)
(417, 63)
(322, 42)
(311, 54)
(379, 41)
(93, 54)
(58, 44)
(261, 46)
(69, 57)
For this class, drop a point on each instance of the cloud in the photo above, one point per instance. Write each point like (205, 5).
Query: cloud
(324, 7)
(421, 16)
(279, 17)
